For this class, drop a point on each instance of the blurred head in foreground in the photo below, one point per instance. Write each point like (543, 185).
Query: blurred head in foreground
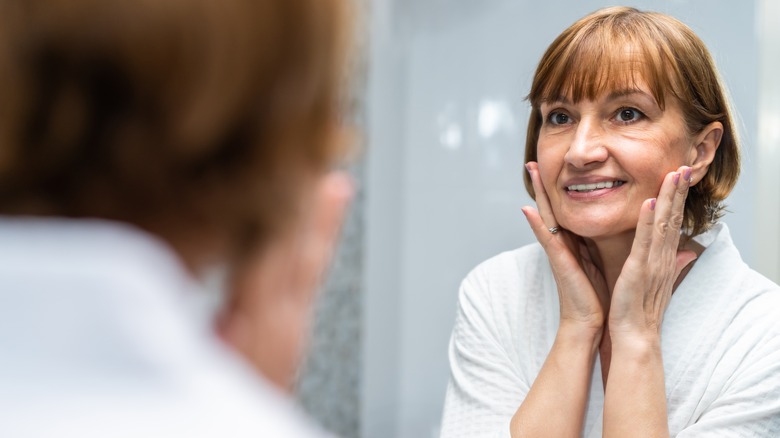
(210, 124)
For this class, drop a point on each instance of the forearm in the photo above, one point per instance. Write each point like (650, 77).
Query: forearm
(555, 404)
(635, 396)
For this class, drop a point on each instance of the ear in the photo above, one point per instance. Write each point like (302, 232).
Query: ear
(268, 316)
(703, 151)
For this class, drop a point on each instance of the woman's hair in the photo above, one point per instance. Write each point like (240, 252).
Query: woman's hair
(614, 47)
(176, 115)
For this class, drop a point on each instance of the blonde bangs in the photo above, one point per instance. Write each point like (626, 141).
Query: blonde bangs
(603, 56)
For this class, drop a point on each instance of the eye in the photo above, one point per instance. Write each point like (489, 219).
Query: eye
(628, 115)
(558, 118)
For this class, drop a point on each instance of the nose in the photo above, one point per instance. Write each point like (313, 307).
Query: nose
(587, 146)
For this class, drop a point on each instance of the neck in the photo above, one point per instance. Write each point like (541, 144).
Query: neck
(610, 254)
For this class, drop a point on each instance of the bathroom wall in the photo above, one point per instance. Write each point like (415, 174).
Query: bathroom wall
(767, 154)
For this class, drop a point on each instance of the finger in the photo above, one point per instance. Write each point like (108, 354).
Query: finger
(560, 252)
(670, 210)
(667, 217)
(542, 202)
(540, 229)
(677, 213)
(645, 230)
(664, 201)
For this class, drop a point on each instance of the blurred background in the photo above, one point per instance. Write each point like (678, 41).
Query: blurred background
(439, 97)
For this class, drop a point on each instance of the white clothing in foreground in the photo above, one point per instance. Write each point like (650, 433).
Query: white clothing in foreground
(720, 342)
(99, 337)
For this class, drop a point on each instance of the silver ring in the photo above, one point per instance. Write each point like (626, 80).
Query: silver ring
(553, 230)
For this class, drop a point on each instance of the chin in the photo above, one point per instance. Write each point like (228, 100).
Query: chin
(597, 229)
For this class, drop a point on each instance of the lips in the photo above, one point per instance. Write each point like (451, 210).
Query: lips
(589, 187)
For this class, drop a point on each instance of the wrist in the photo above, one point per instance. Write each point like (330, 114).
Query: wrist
(637, 345)
(571, 333)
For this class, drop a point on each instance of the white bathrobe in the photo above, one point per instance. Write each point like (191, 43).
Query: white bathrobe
(720, 343)
(101, 336)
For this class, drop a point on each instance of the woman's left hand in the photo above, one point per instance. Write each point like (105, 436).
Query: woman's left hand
(635, 395)
(644, 287)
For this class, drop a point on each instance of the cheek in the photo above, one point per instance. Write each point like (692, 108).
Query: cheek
(669, 142)
(550, 161)
(652, 153)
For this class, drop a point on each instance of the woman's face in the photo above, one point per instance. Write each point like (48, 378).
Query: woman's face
(600, 159)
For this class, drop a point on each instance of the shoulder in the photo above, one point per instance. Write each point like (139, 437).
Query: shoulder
(729, 280)
(508, 282)
(724, 312)
(139, 360)
(721, 279)
(723, 293)
(207, 397)
(756, 300)
(509, 266)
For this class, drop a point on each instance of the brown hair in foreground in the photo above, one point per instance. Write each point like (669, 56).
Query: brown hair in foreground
(193, 119)
(613, 47)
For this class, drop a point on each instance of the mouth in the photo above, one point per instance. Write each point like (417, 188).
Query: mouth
(586, 188)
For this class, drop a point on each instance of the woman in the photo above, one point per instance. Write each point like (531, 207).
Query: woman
(657, 327)
(144, 144)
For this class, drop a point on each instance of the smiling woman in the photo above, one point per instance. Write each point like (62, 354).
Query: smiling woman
(586, 146)
(606, 54)
(634, 315)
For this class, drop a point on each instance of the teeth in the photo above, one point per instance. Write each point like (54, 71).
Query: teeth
(595, 186)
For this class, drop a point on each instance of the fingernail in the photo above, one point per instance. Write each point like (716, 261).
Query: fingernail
(676, 178)
(687, 175)
(528, 167)
(652, 204)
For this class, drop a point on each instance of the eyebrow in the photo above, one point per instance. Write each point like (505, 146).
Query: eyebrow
(627, 92)
(617, 94)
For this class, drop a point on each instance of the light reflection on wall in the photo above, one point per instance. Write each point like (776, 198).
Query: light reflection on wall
(450, 127)
(495, 120)
(495, 116)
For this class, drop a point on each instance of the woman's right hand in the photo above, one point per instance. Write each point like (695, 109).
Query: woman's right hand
(582, 290)
(563, 381)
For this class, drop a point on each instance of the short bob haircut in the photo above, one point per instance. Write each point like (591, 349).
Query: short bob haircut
(612, 48)
(197, 120)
